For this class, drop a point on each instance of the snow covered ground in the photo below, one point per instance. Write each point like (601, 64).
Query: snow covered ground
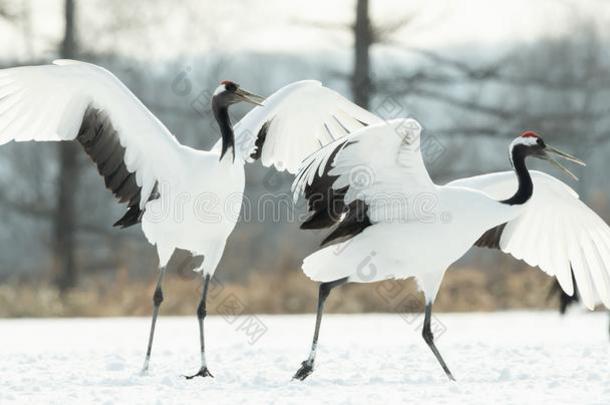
(497, 358)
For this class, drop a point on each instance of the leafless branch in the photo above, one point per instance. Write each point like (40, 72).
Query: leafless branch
(500, 112)
(495, 72)
(335, 26)
(383, 32)
(42, 212)
(6, 13)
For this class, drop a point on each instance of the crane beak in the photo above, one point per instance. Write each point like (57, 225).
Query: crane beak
(249, 97)
(549, 151)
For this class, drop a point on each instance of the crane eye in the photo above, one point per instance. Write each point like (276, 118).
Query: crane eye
(540, 143)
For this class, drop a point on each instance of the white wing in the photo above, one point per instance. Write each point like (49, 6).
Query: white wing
(70, 100)
(296, 121)
(555, 231)
(380, 165)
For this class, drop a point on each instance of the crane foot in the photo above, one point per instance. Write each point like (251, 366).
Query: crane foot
(203, 372)
(305, 370)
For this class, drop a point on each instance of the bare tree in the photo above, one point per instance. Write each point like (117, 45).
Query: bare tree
(65, 216)
(363, 39)
(6, 12)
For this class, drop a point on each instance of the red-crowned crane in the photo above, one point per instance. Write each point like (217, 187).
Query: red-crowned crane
(146, 167)
(391, 221)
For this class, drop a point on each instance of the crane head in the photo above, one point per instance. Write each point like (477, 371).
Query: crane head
(530, 143)
(228, 93)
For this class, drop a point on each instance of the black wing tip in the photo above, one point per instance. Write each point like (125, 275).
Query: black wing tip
(124, 224)
(491, 238)
(132, 217)
(319, 220)
(260, 140)
(355, 221)
(101, 142)
(307, 225)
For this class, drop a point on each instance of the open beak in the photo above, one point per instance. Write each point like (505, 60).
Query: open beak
(550, 151)
(249, 97)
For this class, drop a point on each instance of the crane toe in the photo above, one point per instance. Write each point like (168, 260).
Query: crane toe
(305, 370)
(203, 372)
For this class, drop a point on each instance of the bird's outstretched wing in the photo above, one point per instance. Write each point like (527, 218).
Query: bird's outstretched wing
(367, 177)
(296, 121)
(74, 100)
(556, 232)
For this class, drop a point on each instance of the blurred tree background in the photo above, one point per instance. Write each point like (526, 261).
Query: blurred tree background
(545, 66)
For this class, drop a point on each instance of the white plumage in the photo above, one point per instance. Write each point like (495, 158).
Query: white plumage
(47, 103)
(406, 209)
(399, 224)
(303, 116)
(185, 198)
(554, 230)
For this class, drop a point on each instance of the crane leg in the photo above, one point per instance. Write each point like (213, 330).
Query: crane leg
(323, 292)
(157, 300)
(201, 313)
(429, 338)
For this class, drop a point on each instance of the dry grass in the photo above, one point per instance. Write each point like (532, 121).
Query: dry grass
(463, 289)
